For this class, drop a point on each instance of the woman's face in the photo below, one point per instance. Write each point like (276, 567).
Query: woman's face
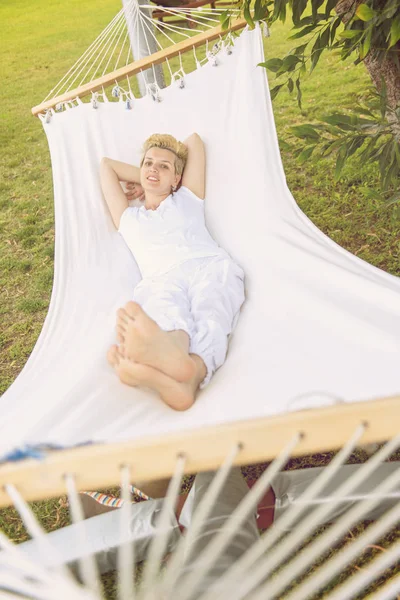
(157, 174)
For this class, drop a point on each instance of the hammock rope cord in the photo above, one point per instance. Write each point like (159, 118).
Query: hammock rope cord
(168, 584)
(88, 568)
(112, 47)
(253, 561)
(126, 552)
(273, 536)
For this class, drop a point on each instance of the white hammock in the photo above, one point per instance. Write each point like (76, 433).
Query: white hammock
(319, 326)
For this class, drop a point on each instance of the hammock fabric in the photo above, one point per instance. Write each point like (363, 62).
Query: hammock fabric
(318, 325)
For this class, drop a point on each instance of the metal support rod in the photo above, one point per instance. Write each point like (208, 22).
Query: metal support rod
(142, 41)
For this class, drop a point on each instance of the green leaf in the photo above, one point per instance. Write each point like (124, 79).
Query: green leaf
(341, 157)
(395, 31)
(283, 145)
(304, 21)
(315, 4)
(303, 32)
(325, 37)
(334, 27)
(247, 15)
(224, 19)
(290, 62)
(350, 33)
(330, 5)
(363, 111)
(273, 64)
(300, 49)
(297, 10)
(390, 9)
(383, 164)
(366, 44)
(392, 173)
(261, 11)
(355, 145)
(275, 90)
(305, 154)
(331, 147)
(290, 85)
(305, 131)
(316, 53)
(366, 153)
(299, 94)
(365, 12)
(344, 122)
(279, 10)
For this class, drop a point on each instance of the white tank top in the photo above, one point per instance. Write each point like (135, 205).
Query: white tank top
(175, 232)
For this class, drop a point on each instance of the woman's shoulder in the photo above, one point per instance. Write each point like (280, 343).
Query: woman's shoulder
(129, 213)
(183, 190)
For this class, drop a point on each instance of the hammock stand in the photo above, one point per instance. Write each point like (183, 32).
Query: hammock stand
(161, 15)
(274, 439)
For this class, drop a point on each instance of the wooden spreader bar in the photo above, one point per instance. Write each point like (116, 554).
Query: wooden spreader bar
(96, 467)
(139, 65)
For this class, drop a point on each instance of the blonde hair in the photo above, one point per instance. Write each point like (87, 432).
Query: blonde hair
(167, 142)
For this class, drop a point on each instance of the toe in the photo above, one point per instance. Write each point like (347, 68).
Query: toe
(120, 334)
(122, 317)
(112, 356)
(133, 309)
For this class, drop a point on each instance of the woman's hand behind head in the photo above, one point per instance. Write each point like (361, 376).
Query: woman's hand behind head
(134, 191)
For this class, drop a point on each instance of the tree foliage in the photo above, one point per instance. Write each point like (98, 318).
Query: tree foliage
(366, 30)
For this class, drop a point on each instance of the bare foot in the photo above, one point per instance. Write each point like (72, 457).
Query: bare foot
(177, 395)
(146, 343)
(114, 356)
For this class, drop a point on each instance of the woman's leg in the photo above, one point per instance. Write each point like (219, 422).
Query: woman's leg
(182, 338)
(155, 328)
(145, 342)
(152, 352)
(216, 294)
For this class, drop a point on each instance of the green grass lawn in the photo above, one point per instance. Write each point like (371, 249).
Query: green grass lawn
(41, 40)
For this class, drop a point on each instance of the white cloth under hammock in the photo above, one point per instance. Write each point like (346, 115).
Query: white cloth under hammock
(318, 323)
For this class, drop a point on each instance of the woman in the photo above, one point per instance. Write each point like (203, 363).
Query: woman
(174, 334)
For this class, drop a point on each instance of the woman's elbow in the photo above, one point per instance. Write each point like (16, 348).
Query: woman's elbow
(105, 166)
(193, 138)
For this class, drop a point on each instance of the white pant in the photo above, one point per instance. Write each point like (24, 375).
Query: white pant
(202, 296)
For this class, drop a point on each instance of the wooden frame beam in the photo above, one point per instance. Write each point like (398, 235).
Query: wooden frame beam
(96, 467)
(139, 65)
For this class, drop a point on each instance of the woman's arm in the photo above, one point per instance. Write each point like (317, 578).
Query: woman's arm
(111, 173)
(194, 174)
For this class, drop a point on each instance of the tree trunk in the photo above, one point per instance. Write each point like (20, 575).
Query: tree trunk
(376, 67)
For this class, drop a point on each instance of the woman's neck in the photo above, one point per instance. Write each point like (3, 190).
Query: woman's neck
(153, 201)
